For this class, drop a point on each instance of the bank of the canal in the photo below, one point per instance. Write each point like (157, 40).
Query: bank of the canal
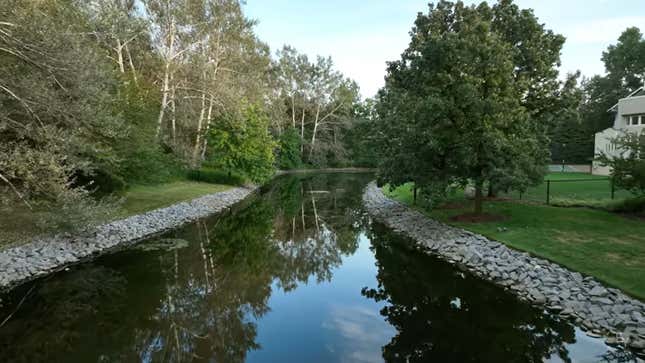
(599, 309)
(299, 272)
(46, 255)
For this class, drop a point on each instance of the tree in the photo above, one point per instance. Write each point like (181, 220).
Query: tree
(243, 144)
(289, 150)
(625, 66)
(455, 108)
(317, 99)
(628, 168)
(57, 125)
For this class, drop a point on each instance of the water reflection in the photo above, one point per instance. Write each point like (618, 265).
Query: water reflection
(277, 279)
(444, 315)
(196, 303)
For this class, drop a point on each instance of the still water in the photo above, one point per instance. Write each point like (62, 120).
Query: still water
(298, 273)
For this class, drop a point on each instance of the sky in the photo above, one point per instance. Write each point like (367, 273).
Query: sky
(361, 35)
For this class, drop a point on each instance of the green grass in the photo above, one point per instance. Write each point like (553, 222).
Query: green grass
(607, 246)
(592, 190)
(138, 199)
(143, 198)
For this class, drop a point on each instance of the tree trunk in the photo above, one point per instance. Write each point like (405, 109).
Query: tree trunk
(479, 197)
(119, 55)
(293, 111)
(302, 135)
(165, 88)
(173, 109)
(414, 202)
(491, 190)
(200, 121)
(208, 126)
(313, 134)
(131, 63)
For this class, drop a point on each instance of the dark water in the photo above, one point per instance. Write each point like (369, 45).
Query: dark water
(297, 274)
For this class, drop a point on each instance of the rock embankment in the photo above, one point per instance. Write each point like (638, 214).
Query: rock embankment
(44, 256)
(596, 308)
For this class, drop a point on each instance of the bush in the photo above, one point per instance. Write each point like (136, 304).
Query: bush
(208, 175)
(241, 142)
(289, 150)
(630, 206)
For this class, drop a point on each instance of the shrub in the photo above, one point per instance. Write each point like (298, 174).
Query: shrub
(631, 206)
(242, 143)
(208, 175)
(289, 150)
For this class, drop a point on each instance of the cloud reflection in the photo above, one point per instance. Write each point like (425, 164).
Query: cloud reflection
(360, 332)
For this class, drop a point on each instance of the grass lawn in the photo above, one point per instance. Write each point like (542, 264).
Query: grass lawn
(598, 243)
(590, 189)
(143, 198)
(138, 199)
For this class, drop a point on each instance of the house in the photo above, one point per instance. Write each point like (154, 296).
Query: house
(630, 117)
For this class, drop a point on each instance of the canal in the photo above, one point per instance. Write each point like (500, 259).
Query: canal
(298, 273)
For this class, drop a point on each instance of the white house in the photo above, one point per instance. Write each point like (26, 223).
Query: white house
(630, 117)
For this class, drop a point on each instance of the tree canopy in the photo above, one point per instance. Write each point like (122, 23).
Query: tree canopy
(98, 95)
(464, 105)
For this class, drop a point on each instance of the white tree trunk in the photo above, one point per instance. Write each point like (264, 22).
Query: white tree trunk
(208, 126)
(302, 135)
(119, 55)
(165, 87)
(131, 63)
(200, 122)
(173, 110)
(315, 131)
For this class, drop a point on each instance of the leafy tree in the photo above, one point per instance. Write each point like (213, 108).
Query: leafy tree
(56, 124)
(571, 140)
(455, 107)
(243, 143)
(318, 100)
(289, 150)
(628, 168)
(625, 66)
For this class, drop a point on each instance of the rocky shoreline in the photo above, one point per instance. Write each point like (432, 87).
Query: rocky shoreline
(43, 256)
(598, 309)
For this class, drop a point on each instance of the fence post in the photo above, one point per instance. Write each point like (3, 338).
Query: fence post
(548, 192)
(613, 189)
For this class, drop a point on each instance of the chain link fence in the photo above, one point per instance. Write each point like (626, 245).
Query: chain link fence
(570, 188)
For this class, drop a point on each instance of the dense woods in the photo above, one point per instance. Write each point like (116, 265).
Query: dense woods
(99, 95)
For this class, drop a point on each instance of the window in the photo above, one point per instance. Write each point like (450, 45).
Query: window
(635, 120)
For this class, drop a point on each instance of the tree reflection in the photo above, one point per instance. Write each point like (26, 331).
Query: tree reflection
(441, 317)
(200, 302)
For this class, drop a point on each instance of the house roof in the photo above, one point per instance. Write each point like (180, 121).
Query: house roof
(640, 89)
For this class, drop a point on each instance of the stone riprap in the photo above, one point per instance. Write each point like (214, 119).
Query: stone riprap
(44, 256)
(598, 309)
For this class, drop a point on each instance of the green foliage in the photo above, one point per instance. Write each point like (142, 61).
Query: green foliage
(625, 66)
(457, 107)
(595, 242)
(208, 175)
(630, 206)
(319, 102)
(628, 168)
(242, 143)
(289, 150)
(142, 159)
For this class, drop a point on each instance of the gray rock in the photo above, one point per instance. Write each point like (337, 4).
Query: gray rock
(44, 255)
(598, 291)
(539, 281)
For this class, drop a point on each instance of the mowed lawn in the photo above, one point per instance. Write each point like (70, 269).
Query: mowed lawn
(608, 246)
(572, 187)
(143, 198)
